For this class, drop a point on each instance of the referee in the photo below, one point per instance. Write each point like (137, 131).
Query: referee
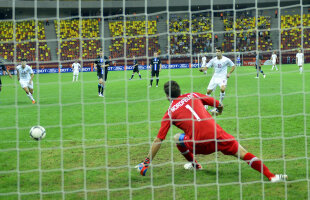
(135, 68)
(155, 67)
(3, 68)
(102, 64)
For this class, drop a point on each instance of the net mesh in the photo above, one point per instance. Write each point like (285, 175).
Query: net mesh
(92, 146)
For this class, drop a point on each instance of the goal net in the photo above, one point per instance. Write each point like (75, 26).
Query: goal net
(93, 143)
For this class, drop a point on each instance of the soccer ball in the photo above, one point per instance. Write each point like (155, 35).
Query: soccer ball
(37, 132)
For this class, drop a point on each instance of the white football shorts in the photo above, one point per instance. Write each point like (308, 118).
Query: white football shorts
(25, 83)
(75, 73)
(217, 82)
(274, 62)
(300, 63)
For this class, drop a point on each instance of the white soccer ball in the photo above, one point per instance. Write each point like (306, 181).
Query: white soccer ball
(37, 132)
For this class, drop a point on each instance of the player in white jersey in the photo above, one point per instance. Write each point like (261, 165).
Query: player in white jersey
(76, 69)
(274, 59)
(300, 60)
(204, 62)
(219, 78)
(25, 76)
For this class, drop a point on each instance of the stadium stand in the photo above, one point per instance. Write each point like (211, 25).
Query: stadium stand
(291, 31)
(136, 43)
(306, 24)
(290, 38)
(25, 41)
(202, 42)
(246, 34)
(180, 43)
(70, 32)
(6, 31)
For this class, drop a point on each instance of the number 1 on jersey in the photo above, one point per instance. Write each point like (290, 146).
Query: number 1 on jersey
(193, 112)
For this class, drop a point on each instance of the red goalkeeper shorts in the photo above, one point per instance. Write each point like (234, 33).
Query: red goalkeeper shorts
(226, 143)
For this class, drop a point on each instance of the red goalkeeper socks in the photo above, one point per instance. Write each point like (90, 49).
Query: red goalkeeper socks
(189, 156)
(186, 153)
(257, 164)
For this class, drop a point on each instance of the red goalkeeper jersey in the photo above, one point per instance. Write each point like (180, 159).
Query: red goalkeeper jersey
(188, 113)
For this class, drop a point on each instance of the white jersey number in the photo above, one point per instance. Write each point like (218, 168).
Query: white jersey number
(193, 112)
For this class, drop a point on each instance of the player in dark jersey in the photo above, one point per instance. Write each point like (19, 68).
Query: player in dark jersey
(155, 68)
(258, 66)
(101, 64)
(135, 68)
(3, 68)
(202, 135)
(238, 61)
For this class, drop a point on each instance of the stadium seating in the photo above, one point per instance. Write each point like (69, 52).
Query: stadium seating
(7, 51)
(246, 34)
(70, 32)
(201, 23)
(202, 42)
(25, 37)
(179, 24)
(6, 31)
(291, 31)
(136, 44)
(180, 43)
(71, 39)
(307, 38)
(26, 31)
(306, 23)
(290, 38)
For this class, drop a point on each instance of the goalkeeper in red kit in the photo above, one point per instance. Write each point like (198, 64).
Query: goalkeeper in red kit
(201, 133)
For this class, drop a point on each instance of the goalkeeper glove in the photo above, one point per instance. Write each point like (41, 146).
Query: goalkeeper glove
(220, 108)
(142, 167)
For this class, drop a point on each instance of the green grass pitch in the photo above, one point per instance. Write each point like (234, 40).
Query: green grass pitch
(93, 143)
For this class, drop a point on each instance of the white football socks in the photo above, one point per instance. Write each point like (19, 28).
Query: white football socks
(274, 66)
(30, 96)
(75, 77)
(222, 95)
